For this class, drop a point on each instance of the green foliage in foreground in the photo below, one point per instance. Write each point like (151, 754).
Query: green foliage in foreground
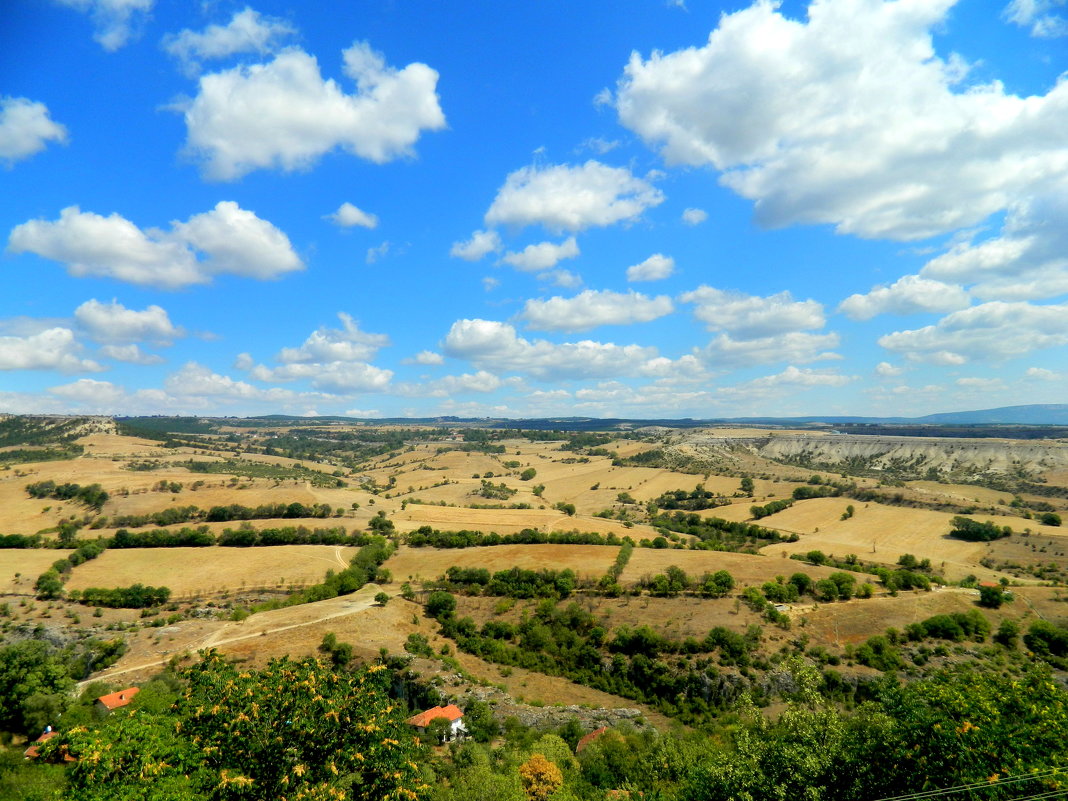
(954, 728)
(293, 730)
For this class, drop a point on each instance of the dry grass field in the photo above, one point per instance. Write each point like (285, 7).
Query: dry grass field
(209, 571)
(588, 561)
(19, 568)
(746, 569)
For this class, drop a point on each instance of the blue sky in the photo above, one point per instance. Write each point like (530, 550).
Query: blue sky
(647, 209)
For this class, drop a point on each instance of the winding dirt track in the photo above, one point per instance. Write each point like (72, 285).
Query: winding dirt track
(266, 623)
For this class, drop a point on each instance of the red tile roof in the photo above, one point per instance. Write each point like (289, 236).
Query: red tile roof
(121, 698)
(450, 712)
(589, 738)
(33, 751)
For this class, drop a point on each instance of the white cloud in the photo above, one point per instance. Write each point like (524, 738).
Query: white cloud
(341, 376)
(847, 118)
(495, 347)
(450, 385)
(599, 145)
(131, 354)
(1042, 374)
(113, 322)
(345, 344)
(26, 128)
(565, 279)
(543, 255)
(246, 32)
(51, 349)
(566, 198)
(1039, 16)
(992, 331)
(199, 382)
(910, 294)
(102, 394)
(789, 380)
(752, 316)
(348, 215)
(229, 238)
(331, 359)
(244, 361)
(284, 115)
(694, 216)
(480, 244)
(726, 352)
(656, 267)
(426, 357)
(594, 308)
(116, 21)
(377, 253)
(1026, 260)
(887, 370)
(362, 413)
(489, 283)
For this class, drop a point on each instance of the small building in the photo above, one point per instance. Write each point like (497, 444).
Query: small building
(34, 750)
(452, 713)
(112, 701)
(589, 738)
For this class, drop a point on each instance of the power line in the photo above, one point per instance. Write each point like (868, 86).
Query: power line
(926, 794)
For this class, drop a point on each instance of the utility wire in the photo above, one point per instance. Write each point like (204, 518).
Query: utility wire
(925, 794)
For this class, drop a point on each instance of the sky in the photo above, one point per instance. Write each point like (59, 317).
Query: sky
(639, 209)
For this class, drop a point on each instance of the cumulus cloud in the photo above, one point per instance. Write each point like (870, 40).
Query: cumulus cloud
(789, 380)
(1039, 16)
(348, 216)
(247, 32)
(113, 322)
(594, 308)
(377, 253)
(1042, 374)
(131, 354)
(542, 256)
(847, 118)
(345, 344)
(908, 295)
(724, 351)
(983, 384)
(331, 359)
(426, 357)
(480, 244)
(752, 316)
(51, 349)
(284, 115)
(887, 370)
(26, 129)
(571, 198)
(495, 347)
(991, 331)
(226, 240)
(656, 267)
(694, 216)
(450, 385)
(565, 279)
(1026, 260)
(115, 21)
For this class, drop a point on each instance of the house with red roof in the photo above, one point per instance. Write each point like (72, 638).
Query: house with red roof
(34, 750)
(112, 701)
(589, 738)
(451, 713)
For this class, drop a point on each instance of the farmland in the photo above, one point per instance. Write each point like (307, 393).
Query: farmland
(630, 527)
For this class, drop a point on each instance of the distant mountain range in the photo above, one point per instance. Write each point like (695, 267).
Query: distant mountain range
(1037, 414)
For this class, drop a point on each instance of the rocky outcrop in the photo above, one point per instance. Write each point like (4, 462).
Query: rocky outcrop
(904, 457)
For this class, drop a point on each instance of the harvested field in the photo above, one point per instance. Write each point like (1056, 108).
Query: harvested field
(509, 521)
(960, 493)
(746, 569)
(29, 563)
(854, 621)
(880, 533)
(206, 571)
(806, 517)
(588, 561)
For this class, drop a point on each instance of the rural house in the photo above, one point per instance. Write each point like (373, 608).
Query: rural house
(107, 703)
(34, 750)
(450, 713)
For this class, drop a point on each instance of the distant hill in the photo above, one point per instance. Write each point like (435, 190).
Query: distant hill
(1036, 414)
